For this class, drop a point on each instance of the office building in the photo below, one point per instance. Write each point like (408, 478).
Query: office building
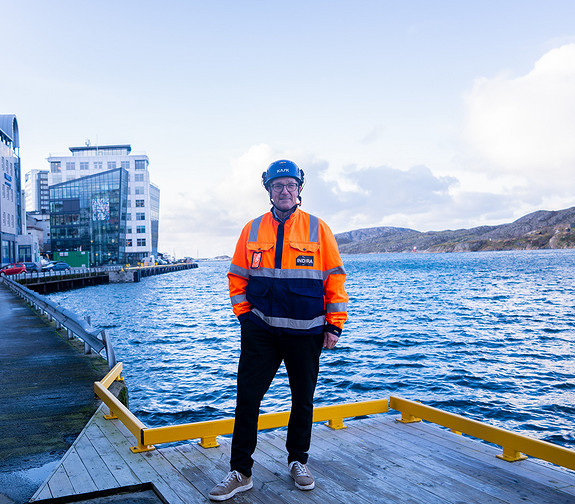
(139, 238)
(36, 186)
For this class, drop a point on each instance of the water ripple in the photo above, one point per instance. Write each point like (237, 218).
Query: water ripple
(486, 335)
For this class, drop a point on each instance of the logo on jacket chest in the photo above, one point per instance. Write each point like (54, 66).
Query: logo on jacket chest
(256, 260)
(304, 260)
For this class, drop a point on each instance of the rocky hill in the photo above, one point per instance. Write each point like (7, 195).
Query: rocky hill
(538, 230)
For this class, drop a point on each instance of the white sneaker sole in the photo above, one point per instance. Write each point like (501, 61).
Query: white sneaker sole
(311, 486)
(227, 496)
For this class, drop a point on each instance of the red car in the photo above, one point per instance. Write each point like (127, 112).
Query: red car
(13, 269)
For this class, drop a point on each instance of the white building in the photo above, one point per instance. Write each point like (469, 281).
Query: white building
(143, 196)
(37, 195)
(11, 208)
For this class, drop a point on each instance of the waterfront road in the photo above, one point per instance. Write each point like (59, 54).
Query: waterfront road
(46, 396)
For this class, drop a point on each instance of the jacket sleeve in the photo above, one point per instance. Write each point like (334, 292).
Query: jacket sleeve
(336, 298)
(238, 276)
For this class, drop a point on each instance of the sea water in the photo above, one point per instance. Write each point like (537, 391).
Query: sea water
(487, 335)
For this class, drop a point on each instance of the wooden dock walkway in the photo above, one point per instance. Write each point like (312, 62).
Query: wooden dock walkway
(374, 460)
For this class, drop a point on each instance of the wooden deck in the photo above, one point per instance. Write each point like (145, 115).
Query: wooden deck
(374, 460)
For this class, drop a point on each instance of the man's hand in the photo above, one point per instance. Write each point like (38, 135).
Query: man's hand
(329, 340)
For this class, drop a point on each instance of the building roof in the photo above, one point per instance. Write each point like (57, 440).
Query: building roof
(127, 147)
(9, 127)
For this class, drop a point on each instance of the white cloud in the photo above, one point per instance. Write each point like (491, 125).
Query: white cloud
(518, 155)
(526, 125)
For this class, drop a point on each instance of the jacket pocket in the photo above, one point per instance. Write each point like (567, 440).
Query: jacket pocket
(257, 246)
(311, 247)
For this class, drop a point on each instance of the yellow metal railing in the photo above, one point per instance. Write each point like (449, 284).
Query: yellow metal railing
(207, 432)
(514, 445)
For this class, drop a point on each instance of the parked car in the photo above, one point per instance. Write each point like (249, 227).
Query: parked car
(56, 266)
(32, 267)
(13, 269)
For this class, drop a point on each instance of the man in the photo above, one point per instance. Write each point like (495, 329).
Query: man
(286, 284)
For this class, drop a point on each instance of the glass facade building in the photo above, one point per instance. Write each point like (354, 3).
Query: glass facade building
(141, 239)
(89, 214)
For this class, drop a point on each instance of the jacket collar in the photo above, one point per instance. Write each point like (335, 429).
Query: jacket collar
(275, 216)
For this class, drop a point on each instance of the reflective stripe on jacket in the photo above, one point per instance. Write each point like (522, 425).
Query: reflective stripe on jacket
(289, 276)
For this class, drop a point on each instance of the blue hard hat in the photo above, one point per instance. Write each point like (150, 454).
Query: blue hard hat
(282, 168)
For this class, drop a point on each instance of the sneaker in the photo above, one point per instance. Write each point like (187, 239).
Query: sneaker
(233, 483)
(301, 476)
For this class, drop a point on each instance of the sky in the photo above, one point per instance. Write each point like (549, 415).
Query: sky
(419, 114)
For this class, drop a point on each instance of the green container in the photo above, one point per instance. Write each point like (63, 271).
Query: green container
(75, 259)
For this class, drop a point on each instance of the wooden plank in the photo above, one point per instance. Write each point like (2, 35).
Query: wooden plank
(538, 470)
(422, 469)
(466, 448)
(176, 481)
(42, 493)
(77, 473)
(139, 465)
(115, 463)
(218, 465)
(370, 478)
(96, 468)
(59, 483)
(489, 475)
(337, 469)
(268, 456)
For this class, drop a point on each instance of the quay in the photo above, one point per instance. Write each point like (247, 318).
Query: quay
(46, 396)
(45, 283)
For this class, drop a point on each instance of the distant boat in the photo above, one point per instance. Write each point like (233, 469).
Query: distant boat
(415, 249)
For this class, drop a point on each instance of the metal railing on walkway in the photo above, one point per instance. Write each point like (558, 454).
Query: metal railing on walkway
(514, 445)
(207, 432)
(93, 338)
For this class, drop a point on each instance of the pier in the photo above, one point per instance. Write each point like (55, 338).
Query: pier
(373, 460)
(46, 283)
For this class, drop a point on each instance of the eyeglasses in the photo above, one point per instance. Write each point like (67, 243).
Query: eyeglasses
(278, 188)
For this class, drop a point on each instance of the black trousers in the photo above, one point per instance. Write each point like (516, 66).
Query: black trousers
(261, 356)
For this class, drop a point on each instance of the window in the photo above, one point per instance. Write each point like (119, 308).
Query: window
(140, 229)
(128, 242)
(84, 165)
(98, 165)
(141, 242)
(140, 203)
(140, 216)
(55, 166)
(111, 165)
(140, 164)
(125, 165)
(139, 190)
(70, 165)
(139, 177)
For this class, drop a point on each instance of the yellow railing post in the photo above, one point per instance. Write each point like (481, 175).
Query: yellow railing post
(209, 442)
(511, 455)
(336, 424)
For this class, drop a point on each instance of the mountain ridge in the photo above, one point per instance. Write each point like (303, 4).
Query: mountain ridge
(542, 229)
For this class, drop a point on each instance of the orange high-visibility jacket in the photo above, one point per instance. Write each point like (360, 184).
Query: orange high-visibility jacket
(289, 276)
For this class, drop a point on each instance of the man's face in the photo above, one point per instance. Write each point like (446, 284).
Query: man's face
(281, 194)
